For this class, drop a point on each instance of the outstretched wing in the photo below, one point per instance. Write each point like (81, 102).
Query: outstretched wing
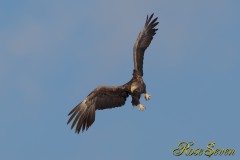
(101, 98)
(143, 41)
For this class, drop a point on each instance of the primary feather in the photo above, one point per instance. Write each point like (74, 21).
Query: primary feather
(103, 97)
(143, 41)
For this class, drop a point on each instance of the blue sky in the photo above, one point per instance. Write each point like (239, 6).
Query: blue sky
(53, 53)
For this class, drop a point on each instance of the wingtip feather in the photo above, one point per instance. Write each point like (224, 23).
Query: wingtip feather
(150, 17)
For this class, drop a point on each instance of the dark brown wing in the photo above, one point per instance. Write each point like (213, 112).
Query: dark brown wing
(101, 98)
(143, 41)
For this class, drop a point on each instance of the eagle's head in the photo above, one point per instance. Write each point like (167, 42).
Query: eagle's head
(134, 86)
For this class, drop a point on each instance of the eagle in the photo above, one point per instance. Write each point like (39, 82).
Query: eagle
(106, 97)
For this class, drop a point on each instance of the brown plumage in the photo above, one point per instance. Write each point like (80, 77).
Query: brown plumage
(143, 41)
(105, 97)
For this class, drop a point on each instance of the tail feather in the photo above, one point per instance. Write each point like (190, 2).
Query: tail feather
(135, 100)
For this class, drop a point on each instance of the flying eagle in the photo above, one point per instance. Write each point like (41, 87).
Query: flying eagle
(105, 97)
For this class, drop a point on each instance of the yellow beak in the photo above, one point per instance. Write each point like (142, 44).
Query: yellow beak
(133, 87)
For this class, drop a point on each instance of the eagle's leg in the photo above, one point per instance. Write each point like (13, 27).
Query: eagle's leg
(141, 107)
(147, 96)
(136, 102)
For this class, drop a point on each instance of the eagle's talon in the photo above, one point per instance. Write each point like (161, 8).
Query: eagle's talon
(147, 96)
(141, 107)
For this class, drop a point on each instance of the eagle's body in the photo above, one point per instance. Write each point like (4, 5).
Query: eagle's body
(104, 97)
